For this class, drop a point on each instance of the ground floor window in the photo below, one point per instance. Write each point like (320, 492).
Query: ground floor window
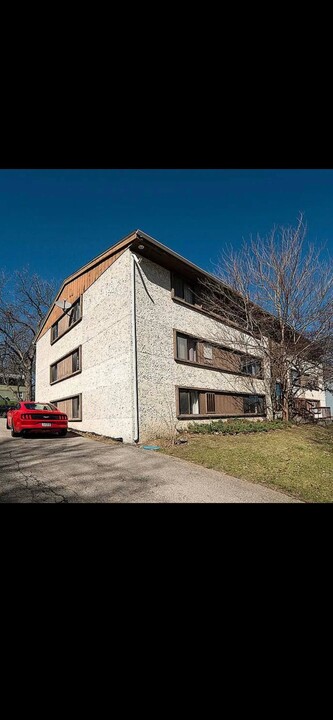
(72, 406)
(208, 403)
(189, 402)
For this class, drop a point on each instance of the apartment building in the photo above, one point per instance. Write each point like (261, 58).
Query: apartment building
(136, 354)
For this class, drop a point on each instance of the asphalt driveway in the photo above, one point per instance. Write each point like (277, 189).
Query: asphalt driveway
(80, 470)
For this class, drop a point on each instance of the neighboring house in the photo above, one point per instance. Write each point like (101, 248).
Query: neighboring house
(310, 396)
(10, 391)
(136, 355)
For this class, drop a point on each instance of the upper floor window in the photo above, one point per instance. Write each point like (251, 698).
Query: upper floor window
(250, 366)
(66, 366)
(67, 320)
(294, 377)
(215, 356)
(182, 290)
(186, 348)
(308, 381)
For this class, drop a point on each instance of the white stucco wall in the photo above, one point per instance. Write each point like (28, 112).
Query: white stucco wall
(105, 335)
(158, 373)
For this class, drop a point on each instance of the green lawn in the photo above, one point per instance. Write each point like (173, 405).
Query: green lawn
(297, 460)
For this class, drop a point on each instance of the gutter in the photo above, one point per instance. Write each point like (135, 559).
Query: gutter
(135, 354)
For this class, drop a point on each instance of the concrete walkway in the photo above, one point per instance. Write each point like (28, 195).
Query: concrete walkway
(80, 470)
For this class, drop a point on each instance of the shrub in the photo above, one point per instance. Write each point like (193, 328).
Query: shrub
(233, 427)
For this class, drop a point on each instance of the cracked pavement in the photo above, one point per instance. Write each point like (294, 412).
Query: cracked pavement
(75, 469)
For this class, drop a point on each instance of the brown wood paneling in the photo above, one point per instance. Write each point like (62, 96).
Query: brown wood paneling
(229, 405)
(64, 368)
(227, 359)
(65, 406)
(76, 287)
(202, 403)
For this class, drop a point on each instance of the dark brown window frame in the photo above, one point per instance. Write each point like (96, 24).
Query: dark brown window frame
(217, 345)
(68, 354)
(80, 300)
(191, 286)
(71, 397)
(197, 307)
(211, 416)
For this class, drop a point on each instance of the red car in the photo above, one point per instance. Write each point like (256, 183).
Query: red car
(29, 416)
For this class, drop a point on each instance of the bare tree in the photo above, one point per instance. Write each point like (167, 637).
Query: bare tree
(279, 291)
(24, 301)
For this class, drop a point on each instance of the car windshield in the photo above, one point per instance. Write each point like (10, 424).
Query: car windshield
(39, 406)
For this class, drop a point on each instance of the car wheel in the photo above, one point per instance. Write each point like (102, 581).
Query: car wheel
(15, 434)
(63, 433)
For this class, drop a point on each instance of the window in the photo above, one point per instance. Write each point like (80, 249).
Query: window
(309, 381)
(66, 366)
(251, 366)
(186, 348)
(294, 377)
(220, 404)
(67, 321)
(182, 290)
(210, 402)
(75, 361)
(72, 406)
(74, 313)
(54, 332)
(188, 402)
(254, 405)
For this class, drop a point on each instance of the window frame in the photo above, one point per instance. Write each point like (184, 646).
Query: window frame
(71, 397)
(251, 360)
(186, 285)
(79, 302)
(188, 339)
(208, 366)
(254, 395)
(190, 392)
(211, 415)
(68, 354)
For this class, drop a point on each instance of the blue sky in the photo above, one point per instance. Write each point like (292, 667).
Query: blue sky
(57, 220)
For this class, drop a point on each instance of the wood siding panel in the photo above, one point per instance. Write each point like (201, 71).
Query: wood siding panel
(64, 368)
(65, 406)
(226, 360)
(202, 403)
(229, 405)
(74, 288)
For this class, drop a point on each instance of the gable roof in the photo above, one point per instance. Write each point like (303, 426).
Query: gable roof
(76, 283)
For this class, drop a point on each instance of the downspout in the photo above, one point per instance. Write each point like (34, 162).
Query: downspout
(135, 355)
